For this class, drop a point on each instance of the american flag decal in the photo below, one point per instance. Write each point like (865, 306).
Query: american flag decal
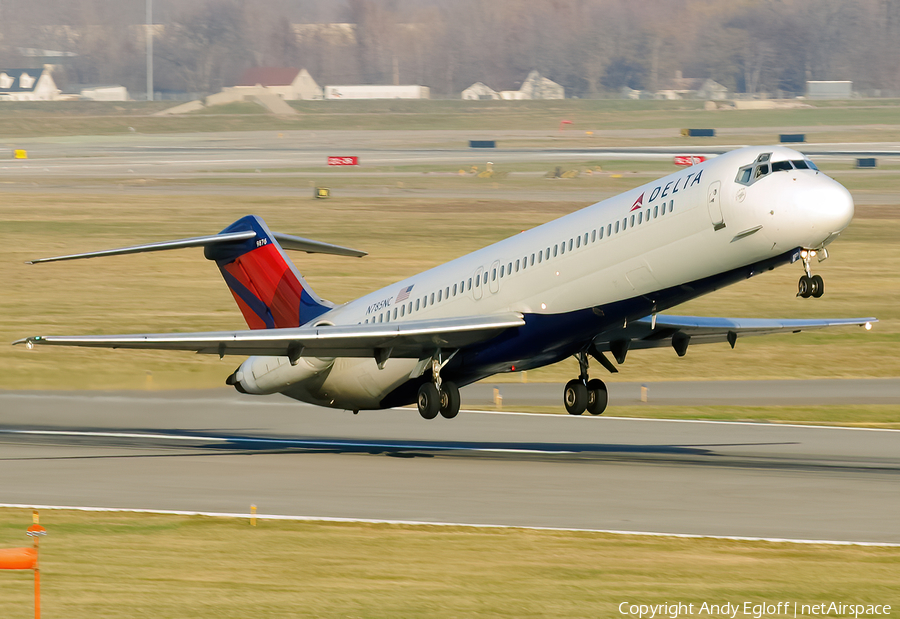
(403, 295)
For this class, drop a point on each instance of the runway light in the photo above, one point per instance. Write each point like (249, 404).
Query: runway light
(868, 326)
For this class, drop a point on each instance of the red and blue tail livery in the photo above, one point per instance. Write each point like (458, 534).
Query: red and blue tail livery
(267, 287)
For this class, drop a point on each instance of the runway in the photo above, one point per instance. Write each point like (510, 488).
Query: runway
(218, 451)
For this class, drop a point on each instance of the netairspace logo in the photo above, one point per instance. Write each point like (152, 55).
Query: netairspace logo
(752, 609)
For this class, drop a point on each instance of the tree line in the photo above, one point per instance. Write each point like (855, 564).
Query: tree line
(592, 47)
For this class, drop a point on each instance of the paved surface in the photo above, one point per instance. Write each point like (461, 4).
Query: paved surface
(702, 393)
(218, 451)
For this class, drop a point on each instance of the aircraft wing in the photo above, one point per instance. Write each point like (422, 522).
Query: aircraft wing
(679, 331)
(409, 339)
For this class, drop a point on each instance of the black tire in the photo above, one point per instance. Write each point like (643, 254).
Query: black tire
(449, 400)
(428, 401)
(804, 286)
(817, 286)
(575, 397)
(598, 397)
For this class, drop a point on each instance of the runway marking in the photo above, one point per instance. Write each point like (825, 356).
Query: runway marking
(708, 421)
(282, 441)
(425, 523)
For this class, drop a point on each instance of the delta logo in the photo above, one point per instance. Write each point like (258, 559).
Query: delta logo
(663, 191)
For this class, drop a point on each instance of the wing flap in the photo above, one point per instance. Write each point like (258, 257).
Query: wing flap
(405, 339)
(654, 333)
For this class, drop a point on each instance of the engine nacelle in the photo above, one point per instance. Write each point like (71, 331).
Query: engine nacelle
(264, 375)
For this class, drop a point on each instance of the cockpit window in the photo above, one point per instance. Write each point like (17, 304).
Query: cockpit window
(800, 164)
(761, 170)
(778, 166)
(811, 165)
(744, 174)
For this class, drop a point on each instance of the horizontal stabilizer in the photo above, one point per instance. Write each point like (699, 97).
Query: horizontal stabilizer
(286, 241)
(407, 339)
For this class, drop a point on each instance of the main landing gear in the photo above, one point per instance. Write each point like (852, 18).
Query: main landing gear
(810, 285)
(438, 396)
(583, 394)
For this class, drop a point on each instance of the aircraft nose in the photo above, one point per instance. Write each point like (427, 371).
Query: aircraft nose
(831, 207)
(818, 211)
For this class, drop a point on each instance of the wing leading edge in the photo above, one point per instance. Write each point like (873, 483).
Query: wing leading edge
(403, 339)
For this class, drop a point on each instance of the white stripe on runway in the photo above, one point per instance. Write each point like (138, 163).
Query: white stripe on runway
(168, 512)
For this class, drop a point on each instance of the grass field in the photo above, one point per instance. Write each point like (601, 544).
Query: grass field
(85, 118)
(118, 565)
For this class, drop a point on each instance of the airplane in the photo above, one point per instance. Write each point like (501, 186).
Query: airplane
(589, 283)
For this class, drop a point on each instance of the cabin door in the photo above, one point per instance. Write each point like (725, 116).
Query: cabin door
(714, 203)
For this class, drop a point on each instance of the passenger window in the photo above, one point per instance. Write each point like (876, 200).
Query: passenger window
(509, 269)
(594, 235)
(671, 205)
(655, 211)
(624, 224)
(540, 257)
(570, 244)
(632, 221)
(502, 268)
(402, 310)
(663, 211)
(562, 248)
(395, 313)
(577, 242)
(417, 305)
(409, 309)
(494, 275)
(432, 298)
(548, 254)
(601, 234)
(485, 277)
(647, 216)
(532, 261)
(640, 217)
(609, 230)
(439, 295)
(517, 266)
(555, 250)
(478, 282)
(617, 226)
(586, 237)
(447, 293)
(454, 290)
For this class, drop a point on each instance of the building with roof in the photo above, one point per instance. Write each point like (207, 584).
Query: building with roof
(535, 86)
(692, 88)
(288, 83)
(27, 85)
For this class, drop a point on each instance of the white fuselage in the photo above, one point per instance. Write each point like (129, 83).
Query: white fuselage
(695, 223)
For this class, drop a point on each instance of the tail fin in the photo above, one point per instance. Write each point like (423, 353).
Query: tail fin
(269, 290)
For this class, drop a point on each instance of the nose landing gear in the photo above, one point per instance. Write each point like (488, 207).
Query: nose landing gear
(583, 394)
(809, 285)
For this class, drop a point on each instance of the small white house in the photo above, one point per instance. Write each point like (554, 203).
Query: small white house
(535, 86)
(479, 91)
(27, 85)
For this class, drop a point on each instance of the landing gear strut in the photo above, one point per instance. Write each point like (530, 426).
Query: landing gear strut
(809, 285)
(438, 396)
(584, 394)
